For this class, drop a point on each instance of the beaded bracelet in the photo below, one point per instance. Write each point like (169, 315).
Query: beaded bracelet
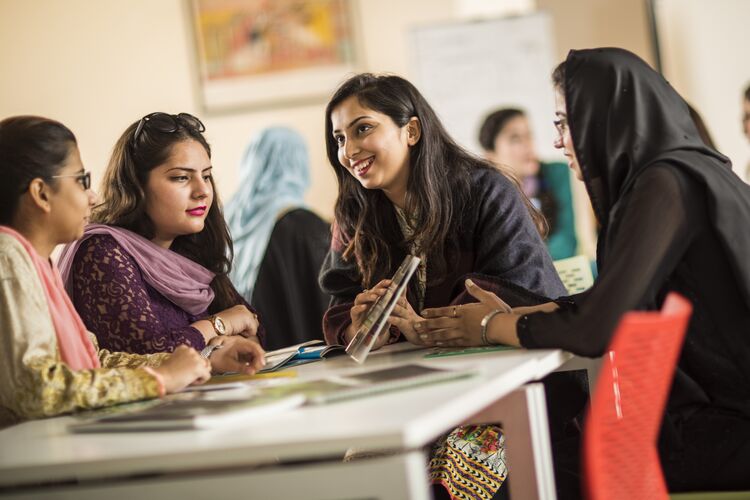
(485, 323)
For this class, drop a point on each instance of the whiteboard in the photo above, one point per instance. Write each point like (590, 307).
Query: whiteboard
(466, 70)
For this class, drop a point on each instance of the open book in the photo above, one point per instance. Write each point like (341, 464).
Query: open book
(306, 352)
(377, 316)
(188, 410)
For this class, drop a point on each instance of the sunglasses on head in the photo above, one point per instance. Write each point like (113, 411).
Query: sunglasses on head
(167, 124)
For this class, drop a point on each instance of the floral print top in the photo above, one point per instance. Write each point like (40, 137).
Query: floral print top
(35, 382)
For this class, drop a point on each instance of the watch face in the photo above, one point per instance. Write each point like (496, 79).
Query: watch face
(220, 326)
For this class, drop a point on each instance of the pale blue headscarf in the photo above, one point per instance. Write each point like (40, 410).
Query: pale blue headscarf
(274, 175)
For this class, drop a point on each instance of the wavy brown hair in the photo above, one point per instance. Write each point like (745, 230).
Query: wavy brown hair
(124, 202)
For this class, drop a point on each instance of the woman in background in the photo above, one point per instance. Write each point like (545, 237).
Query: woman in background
(152, 272)
(49, 363)
(279, 244)
(505, 136)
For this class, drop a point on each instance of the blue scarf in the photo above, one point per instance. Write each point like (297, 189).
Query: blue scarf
(274, 175)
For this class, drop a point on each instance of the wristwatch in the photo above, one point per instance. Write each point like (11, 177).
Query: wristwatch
(219, 326)
(209, 349)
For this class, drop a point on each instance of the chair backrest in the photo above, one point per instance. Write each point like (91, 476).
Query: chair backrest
(575, 273)
(620, 458)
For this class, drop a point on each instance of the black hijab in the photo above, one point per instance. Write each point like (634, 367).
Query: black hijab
(625, 117)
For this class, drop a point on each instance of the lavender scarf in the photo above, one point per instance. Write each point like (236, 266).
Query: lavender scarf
(184, 282)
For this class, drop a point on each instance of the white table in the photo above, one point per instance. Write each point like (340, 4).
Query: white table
(298, 454)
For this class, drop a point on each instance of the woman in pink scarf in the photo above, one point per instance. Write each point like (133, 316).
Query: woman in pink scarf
(49, 363)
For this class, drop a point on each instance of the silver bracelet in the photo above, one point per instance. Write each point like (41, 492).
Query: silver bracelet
(485, 323)
(209, 349)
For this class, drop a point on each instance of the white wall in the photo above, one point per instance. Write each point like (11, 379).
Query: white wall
(705, 57)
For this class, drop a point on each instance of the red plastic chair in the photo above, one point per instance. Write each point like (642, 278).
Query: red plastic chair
(620, 458)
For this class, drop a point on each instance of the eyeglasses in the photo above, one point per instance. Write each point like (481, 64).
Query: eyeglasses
(84, 179)
(167, 124)
(561, 125)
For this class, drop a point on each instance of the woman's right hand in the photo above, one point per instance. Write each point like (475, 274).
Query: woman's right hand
(183, 367)
(362, 303)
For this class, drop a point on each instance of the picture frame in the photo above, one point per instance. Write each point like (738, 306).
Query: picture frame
(266, 53)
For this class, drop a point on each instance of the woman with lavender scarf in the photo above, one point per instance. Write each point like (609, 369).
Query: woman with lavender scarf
(152, 271)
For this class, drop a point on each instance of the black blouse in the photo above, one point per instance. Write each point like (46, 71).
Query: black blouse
(664, 242)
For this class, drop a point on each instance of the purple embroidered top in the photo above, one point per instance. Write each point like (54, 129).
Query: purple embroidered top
(122, 310)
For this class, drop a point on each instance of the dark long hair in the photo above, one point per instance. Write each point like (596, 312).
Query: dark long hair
(31, 147)
(491, 127)
(494, 123)
(124, 202)
(436, 194)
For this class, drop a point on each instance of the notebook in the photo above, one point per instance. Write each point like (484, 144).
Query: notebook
(305, 352)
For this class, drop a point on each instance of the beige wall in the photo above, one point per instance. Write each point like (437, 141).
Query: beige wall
(583, 24)
(705, 57)
(98, 65)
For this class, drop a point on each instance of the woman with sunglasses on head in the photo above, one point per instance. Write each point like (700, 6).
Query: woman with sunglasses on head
(406, 187)
(151, 272)
(49, 363)
(674, 217)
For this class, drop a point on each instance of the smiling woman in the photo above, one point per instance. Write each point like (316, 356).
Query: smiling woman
(406, 187)
(152, 274)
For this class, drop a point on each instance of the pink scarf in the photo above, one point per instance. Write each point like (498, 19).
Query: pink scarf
(76, 349)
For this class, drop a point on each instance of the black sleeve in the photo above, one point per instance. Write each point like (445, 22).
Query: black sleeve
(653, 235)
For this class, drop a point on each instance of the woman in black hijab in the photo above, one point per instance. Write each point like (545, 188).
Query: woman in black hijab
(674, 217)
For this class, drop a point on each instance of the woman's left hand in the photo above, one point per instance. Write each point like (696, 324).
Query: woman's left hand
(237, 354)
(459, 325)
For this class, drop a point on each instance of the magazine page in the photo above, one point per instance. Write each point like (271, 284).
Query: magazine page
(306, 352)
(377, 316)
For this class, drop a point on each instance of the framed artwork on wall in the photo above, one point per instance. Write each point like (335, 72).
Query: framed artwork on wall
(261, 53)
